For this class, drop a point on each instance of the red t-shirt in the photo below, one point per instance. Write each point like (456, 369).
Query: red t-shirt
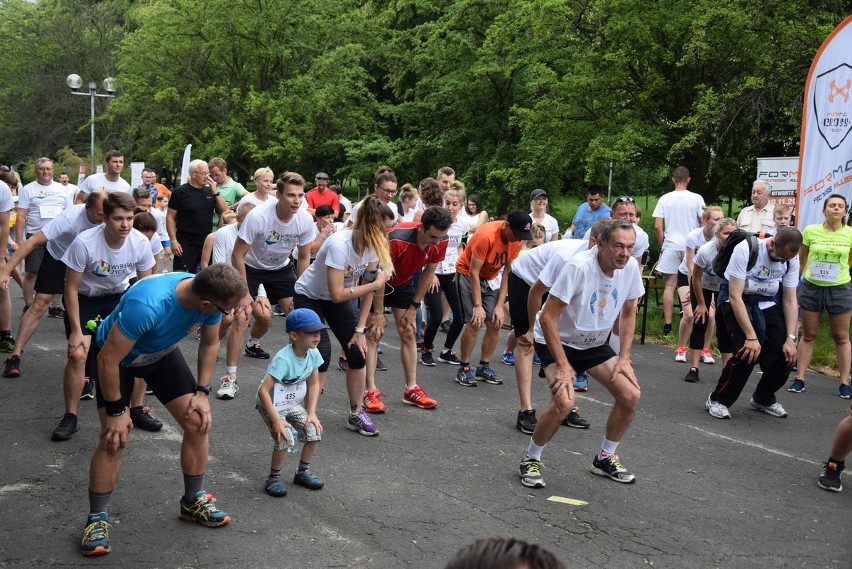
(407, 257)
(328, 197)
(488, 244)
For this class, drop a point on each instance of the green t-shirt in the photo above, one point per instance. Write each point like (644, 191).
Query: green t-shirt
(828, 255)
(231, 193)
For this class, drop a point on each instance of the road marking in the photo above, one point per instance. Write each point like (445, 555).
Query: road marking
(569, 501)
(19, 487)
(754, 445)
(391, 346)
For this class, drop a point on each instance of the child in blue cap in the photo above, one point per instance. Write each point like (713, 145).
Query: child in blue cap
(288, 396)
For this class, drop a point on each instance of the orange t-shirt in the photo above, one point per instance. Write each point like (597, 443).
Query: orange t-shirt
(162, 190)
(488, 244)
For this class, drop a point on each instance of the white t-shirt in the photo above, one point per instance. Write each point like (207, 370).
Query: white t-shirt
(71, 189)
(458, 229)
(593, 300)
(100, 182)
(391, 206)
(642, 242)
(551, 226)
(42, 203)
(345, 204)
(680, 210)
(160, 216)
(223, 243)
(704, 258)
(531, 265)
(252, 198)
(62, 231)
(337, 252)
(107, 271)
(694, 240)
(271, 241)
(766, 276)
(6, 201)
(156, 246)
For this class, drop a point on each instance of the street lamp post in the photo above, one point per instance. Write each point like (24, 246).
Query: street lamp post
(74, 81)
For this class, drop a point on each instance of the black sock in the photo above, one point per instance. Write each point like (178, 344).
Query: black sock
(483, 363)
(4, 334)
(464, 364)
(98, 502)
(192, 485)
(840, 463)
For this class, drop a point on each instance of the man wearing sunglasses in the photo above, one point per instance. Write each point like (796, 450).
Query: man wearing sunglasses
(322, 195)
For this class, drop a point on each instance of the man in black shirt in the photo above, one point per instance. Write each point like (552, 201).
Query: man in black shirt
(190, 213)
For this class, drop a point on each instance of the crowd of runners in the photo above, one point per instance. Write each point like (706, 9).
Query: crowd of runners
(137, 270)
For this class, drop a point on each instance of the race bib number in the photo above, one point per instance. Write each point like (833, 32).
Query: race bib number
(275, 259)
(494, 284)
(762, 288)
(285, 397)
(146, 359)
(49, 211)
(710, 282)
(585, 339)
(825, 272)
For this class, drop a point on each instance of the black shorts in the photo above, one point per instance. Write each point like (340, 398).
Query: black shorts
(51, 276)
(190, 261)
(519, 291)
(279, 283)
(682, 279)
(90, 308)
(32, 262)
(580, 360)
(399, 296)
(169, 378)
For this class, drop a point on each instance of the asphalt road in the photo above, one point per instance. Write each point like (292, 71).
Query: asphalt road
(710, 493)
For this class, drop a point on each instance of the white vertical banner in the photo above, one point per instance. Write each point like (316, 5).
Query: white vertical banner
(184, 169)
(136, 174)
(825, 155)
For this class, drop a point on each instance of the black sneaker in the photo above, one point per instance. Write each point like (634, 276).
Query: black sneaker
(691, 375)
(667, 328)
(256, 352)
(830, 477)
(88, 389)
(12, 367)
(427, 359)
(67, 426)
(342, 364)
(142, 419)
(445, 326)
(448, 357)
(56, 312)
(612, 468)
(380, 365)
(575, 420)
(526, 421)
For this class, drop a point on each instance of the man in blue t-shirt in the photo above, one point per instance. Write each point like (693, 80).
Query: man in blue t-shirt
(589, 212)
(139, 339)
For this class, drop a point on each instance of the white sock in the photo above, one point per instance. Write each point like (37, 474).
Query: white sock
(608, 447)
(534, 451)
(252, 342)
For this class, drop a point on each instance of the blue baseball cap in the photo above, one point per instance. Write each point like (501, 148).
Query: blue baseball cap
(304, 320)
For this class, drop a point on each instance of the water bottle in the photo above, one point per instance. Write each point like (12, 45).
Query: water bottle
(294, 441)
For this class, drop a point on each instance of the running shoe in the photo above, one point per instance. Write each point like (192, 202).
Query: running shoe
(56, 312)
(526, 421)
(830, 477)
(488, 375)
(530, 472)
(417, 397)
(613, 469)
(680, 355)
(845, 391)
(362, 423)
(373, 402)
(536, 359)
(274, 487)
(88, 389)
(277, 310)
(775, 410)
(427, 359)
(575, 420)
(691, 375)
(380, 365)
(797, 386)
(203, 511)
(508, 358)
(7, 345)
(256, 352)
(229, 388)
(581, 382)
(707, 357)
(448, 357)
(142, 419)
(716, 409)
(66, 427)
(342, 364)
(464, 377)
(308, 479)
(667, 328)
(96, 535)
(445, 326)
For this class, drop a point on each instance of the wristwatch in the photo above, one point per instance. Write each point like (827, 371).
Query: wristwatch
(205, 389)
(415, 304)
(792, 337)
(216, 195)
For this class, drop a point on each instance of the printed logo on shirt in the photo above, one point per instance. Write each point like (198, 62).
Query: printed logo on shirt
(601, 302)
(273, 238)
(103, 269)
(349, 270)
(765, 273)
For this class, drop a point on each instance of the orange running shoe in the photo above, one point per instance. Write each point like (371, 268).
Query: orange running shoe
(418, 397)
(373, 402)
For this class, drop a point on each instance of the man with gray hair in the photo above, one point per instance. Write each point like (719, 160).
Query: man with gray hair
(758, 216)
(190, 213)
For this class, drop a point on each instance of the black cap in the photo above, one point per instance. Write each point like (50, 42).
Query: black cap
(521, 224)
(537, 193)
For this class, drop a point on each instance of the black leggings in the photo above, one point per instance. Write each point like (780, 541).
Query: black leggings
(342, 318)
(436, 313)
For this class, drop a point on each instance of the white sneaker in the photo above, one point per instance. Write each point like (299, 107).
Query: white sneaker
(776, 410)
(707, 357)
(229, 388)
(716, 409)
(680, 356)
